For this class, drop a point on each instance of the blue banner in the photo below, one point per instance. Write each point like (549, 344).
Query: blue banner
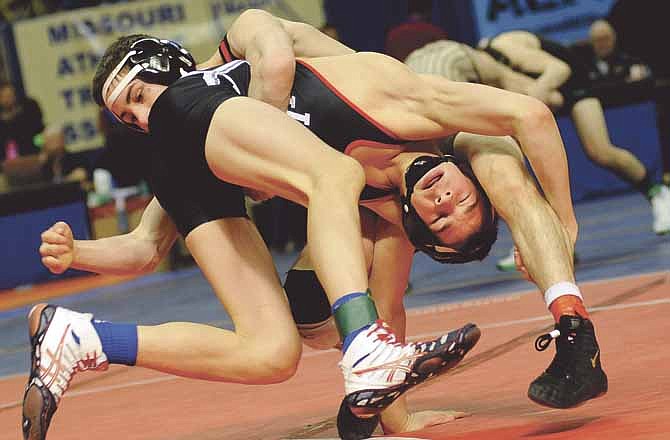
(561, 20)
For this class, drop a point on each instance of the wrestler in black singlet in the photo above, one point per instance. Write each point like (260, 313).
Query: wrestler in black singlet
(577, 85)
(180, 118)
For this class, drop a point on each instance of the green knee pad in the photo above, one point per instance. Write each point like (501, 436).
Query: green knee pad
(355, 314)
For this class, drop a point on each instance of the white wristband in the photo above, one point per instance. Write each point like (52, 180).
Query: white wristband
(561, 289)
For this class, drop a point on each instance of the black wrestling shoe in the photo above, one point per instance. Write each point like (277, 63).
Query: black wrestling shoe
(575, 375)
(378, 369)
(350, 427)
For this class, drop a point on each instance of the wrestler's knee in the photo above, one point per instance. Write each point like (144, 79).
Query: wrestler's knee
(275, 359)
(342, 172)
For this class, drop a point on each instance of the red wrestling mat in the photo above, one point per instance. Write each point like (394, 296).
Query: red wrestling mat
(15, 298)
(630, 316)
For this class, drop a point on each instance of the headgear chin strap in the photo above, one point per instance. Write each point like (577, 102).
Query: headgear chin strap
(417, 231)
(152, 60)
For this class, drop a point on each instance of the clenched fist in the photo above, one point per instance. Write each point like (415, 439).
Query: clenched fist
(57, 248)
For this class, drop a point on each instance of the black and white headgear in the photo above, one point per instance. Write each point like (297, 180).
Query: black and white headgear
(417, 231)
(150, 59)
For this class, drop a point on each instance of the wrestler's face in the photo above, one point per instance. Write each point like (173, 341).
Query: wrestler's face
(134, 103)
(449, 203)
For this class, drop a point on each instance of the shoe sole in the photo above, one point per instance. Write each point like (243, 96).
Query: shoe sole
(370, 402)
(350, 427)
(549, 403)
(39, 404)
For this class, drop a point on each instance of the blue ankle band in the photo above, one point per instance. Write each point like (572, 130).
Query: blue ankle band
(119, 341)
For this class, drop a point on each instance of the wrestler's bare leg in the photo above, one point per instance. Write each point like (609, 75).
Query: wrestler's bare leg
(265, 346)
(538, 233)
(589, 119)
(286, 159)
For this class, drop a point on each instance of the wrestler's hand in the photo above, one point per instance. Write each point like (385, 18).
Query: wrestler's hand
(57, 248)
(424, 419)
(556, 100)
(637, 72)
(540, 93)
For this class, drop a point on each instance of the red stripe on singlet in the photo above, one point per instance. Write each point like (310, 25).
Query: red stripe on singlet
(360, 111)
(225, 51)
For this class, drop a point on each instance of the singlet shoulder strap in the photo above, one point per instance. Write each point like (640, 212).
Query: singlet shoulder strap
(496, 54)
(224, 50)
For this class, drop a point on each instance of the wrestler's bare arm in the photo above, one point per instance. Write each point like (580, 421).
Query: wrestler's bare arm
(137, 252)
(496, 74)
(544, 242)
(307, 40)
(389, 273)
(528, 58)
(260, 38)
(270, 44)
(486, 110)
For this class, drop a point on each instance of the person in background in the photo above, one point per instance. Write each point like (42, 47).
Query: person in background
(557, 68)
(607, 64)
(28, 153)
(31, 152)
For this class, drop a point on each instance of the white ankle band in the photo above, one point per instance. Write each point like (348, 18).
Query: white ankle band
(561, 289)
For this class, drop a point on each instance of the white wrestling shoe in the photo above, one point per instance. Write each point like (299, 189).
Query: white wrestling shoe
(63, 343)
(660, 208)
(378, 369)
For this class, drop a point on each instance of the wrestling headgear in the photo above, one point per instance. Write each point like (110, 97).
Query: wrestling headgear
(152, 60)
(417, 231)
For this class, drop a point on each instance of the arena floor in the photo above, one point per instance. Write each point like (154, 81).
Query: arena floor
(624, 273)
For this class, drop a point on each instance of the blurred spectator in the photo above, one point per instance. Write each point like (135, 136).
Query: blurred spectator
(29, 153)
(12, 10)
(605, 61)
(415, 32)
(20, 122)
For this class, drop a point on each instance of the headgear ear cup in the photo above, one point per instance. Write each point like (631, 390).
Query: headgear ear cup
(163, 61)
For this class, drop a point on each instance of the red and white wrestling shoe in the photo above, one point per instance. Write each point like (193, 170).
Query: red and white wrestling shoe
(378, 369)
(62, 343)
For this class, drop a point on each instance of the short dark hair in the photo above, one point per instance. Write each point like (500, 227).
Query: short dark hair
(112, 56)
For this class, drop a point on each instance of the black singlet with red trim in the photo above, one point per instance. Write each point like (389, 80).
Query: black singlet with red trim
(179, 122)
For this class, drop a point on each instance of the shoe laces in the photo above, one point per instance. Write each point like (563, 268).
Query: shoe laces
(543, 341)
(383, 333)
(562, 363)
